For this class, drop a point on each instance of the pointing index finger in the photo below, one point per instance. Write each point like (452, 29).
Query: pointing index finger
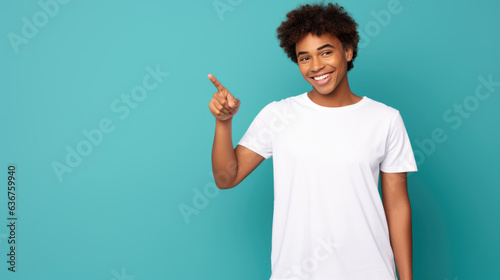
(216, 83)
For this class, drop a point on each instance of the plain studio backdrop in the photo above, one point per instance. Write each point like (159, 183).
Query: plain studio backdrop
(104, 115)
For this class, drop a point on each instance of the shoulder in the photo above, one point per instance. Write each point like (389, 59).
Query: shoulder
(378, 109)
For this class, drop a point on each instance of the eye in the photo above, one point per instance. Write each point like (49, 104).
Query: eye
(325, 52)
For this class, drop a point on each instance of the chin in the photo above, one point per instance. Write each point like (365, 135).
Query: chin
(324, 91)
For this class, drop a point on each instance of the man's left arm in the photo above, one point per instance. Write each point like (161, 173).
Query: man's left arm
(398, 212)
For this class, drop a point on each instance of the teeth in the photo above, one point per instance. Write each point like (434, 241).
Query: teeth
(321, 77)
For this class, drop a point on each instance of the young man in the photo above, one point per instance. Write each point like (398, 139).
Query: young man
(329, 146)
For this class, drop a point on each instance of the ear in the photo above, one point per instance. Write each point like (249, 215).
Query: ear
(348, 53)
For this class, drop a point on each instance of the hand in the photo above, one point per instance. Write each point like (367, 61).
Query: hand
(223, 105)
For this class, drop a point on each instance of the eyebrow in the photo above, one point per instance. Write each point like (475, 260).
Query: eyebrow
(322, 47)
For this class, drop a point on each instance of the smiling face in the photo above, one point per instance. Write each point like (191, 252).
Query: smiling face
(323, 57)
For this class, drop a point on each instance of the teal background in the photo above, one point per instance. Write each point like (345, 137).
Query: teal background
(116, 215)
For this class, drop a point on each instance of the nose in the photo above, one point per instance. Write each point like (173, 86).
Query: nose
(317, 64)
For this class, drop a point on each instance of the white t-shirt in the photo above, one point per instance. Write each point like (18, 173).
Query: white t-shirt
(328, 220)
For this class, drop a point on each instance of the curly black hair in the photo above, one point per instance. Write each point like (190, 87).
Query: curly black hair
(318, 19)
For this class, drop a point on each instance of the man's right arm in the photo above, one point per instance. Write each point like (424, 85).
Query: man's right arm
(230, 166)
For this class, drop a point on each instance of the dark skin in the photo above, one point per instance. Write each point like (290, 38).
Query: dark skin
(325, 54)
(318, 55)
(231, 165)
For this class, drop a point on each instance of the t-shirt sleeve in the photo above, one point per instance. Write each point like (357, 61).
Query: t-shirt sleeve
(399, 155)
(258, 136)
